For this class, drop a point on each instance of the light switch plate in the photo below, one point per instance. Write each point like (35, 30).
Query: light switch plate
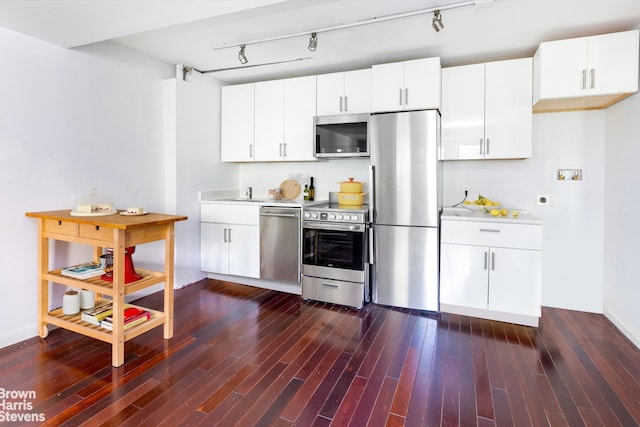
(543, 200)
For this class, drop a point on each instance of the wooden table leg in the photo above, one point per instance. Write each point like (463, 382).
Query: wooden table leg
(117, 348)
(168, 283)
(43, 284)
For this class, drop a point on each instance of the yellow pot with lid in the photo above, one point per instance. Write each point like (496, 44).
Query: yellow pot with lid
(350, 186)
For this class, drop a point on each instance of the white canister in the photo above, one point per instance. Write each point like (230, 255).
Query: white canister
(70, 303)
(87, 299)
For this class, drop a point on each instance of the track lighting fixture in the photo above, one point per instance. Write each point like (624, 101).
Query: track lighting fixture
(313, 42)
(437, 21)
(241, 56)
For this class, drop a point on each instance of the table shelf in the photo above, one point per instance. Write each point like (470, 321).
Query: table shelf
(75, 323)
(105, 287)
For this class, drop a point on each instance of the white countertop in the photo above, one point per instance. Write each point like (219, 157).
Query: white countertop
(466, 214)
(263, 202)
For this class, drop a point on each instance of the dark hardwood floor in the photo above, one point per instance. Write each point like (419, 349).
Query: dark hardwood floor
(246, 356)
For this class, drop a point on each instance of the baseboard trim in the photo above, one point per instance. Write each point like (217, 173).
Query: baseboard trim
(622, 327)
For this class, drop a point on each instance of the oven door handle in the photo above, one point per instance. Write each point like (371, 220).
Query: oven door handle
(356, 228)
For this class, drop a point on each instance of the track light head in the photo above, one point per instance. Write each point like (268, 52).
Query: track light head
(313, 42)
(241, 56)
(437, 21)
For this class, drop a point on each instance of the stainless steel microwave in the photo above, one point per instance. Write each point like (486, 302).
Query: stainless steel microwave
(344, 135)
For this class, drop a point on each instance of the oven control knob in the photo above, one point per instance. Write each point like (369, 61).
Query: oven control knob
(307, 215)
(314, 215)
(354, 217)
(332, 216)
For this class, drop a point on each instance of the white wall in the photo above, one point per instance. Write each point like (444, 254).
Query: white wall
(70, 120)
(326, 175)
(573, 223)
(192, 147)
(622, 228)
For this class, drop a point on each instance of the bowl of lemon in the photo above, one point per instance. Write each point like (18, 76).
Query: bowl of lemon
(482, 203)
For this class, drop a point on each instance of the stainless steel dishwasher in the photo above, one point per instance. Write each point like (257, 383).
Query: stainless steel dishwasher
(280, 243)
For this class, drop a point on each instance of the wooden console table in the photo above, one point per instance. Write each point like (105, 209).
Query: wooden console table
(112, 231)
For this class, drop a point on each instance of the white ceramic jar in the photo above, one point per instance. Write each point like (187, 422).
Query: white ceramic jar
(87, 299)
(70, 303)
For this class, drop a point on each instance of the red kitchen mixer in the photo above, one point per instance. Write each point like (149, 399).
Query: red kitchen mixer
(130, 274)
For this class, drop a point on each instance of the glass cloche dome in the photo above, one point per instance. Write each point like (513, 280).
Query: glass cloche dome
(93, 204)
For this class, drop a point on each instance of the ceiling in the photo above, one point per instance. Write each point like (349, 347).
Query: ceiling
(204, 34)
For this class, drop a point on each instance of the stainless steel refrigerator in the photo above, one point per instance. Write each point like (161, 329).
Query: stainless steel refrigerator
(406, 197)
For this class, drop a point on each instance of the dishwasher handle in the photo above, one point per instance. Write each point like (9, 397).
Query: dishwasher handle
(284, 215)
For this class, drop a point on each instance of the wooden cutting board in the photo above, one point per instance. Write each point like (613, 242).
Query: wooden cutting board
(290, 189)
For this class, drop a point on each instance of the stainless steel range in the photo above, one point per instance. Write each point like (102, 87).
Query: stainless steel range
(335, 254)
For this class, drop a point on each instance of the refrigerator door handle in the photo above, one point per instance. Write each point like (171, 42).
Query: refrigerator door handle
(372, 193)
(371, 247)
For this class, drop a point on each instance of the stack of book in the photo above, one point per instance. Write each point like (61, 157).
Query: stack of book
(132, 316)
(98, 313)
(83, 271)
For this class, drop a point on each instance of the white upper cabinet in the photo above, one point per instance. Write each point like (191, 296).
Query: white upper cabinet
(237, 123)
(269, 120)
(299, 110)
(282, 126)
(486, 111)
(585, 73)
(344, 93)
(408, 85)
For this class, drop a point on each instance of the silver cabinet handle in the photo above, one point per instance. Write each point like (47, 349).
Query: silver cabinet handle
(485, 260)
(340, 103)
(487, 146)
(400, 93)
(330, 285)
(490, 230)
(284, 150)
(406, 96)
(225, 235)
(593, 78)
(250, 151)
(229, 235)
(279, 150)
(584, 79)
(493, 260)
(346, 105)
(481, 146)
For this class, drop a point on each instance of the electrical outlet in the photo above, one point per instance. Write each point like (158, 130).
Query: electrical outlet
(543, 200)
(466, 187)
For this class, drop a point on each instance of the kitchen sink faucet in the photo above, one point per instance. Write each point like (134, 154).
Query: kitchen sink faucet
(249, 193)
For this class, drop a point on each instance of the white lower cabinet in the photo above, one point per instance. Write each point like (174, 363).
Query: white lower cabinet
(230, 240)
(491, 270)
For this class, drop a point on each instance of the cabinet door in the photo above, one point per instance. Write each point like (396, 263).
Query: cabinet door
(330, 90)
(237, 123)
(269, 120)
(357, 91)
(214, 250)
(299, 110)
(508, 119)
(463, 275)
(562, 66)
(422, 82)
(387, 87)
(515, 281)
(244, 250)
(613, 63)
(462, 134)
